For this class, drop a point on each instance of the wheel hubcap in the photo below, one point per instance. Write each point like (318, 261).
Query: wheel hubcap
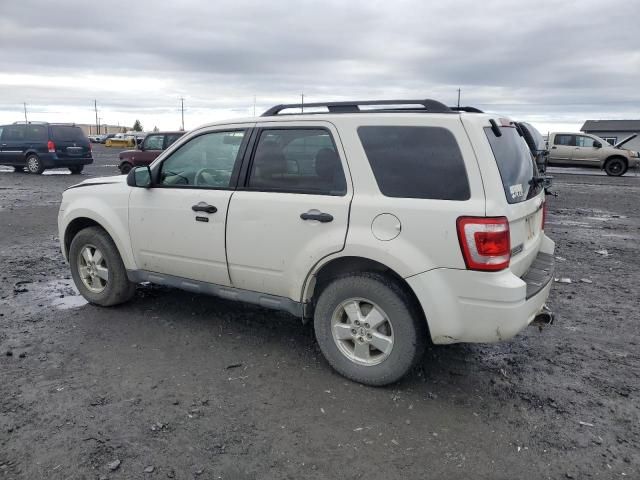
(93, 270)
(33, 164)
(362, 331)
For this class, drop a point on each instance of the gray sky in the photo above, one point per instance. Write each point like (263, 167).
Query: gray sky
(554, 63)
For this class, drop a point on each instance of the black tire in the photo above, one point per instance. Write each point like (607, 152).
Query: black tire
(125, 168)
(18, 169)
(118, 288)
(76, 170)
(34, 164)
(408, 327)
(615, 167)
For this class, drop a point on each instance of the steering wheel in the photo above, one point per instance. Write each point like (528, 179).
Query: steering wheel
(219, 178)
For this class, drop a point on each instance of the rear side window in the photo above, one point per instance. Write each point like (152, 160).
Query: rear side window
(416, 162)
(297, 160)
(563, 140)
(37, 133)
(63, 133)
(13, 132)
(515, 164)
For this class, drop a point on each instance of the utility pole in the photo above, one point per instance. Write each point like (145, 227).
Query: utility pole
(254, 105)
(25, 112)
(458, 98)
(95, 108)
(302, 102)
(182, 109)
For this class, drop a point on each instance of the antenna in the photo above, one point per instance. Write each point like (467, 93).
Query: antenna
(182, 109)
(25, 112)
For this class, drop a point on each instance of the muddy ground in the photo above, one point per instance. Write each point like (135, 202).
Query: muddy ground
(176, 385)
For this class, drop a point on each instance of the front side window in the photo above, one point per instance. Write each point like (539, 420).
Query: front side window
(416, 162)
(204, 161)
(563, 140)
(297, 160)
(582, 141)
(153, 142)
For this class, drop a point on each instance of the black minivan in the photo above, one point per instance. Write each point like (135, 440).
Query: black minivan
(37, 146)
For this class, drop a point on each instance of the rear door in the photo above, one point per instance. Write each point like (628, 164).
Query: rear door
(524, 196)
(13, 144)
(70, 142)
(292, 210)
(561, 151)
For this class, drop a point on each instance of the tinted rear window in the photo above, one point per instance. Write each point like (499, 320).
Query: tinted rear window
(67, 134)
(38, 133)
(515, 164)
(416, 162)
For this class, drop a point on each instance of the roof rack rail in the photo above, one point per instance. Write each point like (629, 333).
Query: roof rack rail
(466, 109)
(22, 122)
(428, 105)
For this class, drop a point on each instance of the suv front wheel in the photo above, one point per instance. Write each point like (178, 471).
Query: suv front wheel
(615, 167)
(368, 330)
(97, 269)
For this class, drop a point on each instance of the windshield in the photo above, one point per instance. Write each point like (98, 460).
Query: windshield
(515, 164)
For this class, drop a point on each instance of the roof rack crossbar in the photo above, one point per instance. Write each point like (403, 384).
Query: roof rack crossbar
(431, 106)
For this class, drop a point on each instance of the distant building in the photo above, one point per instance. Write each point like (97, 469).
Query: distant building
(614, 131)
(89, 129)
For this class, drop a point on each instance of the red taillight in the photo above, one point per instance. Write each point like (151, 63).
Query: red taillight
(485, 242)
(544, 215)
(51, 146)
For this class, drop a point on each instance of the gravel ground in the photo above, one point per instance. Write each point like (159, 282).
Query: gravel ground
(176, 385)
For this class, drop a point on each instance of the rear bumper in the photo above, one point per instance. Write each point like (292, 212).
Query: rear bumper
(52, 160)
(481, 307)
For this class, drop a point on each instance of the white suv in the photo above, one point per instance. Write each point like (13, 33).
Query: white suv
(386, 222)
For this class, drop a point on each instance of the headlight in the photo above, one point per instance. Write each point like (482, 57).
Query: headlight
(635, 154)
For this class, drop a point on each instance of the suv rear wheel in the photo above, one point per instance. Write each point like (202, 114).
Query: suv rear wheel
(76, 170)
(97, 269)
(615, 167)
(367, 329)
(34, 164)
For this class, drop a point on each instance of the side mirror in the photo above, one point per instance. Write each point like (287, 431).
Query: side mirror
(597, 144)
(139, 177)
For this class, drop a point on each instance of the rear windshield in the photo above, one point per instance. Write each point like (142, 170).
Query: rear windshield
(63, 133)
(416, 162)
(515, 164)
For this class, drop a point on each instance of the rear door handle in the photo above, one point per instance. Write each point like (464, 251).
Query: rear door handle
(553, 148)
(319, 216)
(204, 207)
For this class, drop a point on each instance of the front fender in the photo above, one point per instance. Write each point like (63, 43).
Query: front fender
(108, 211)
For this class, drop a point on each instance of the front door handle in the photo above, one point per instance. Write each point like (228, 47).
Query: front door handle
(315, 215)
(204, 207)
(553, 148)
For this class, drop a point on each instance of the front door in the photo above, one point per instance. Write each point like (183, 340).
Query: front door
(585, 153)
(178, 225)
(292, 209)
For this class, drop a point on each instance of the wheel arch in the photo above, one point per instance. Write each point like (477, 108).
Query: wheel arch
(321, 276)
(616, 155)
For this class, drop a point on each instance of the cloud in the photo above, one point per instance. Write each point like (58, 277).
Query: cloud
(544, 61)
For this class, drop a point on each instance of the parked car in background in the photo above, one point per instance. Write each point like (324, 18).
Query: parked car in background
(330, 216)
(152, 146)
(95, 138)
(38, 146)
(537, 145)
(105, 137)
(586, 150)
(121, 140)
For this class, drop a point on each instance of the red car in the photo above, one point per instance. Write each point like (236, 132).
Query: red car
(147, 151)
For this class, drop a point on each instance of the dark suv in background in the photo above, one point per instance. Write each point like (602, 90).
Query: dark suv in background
(147, 151)
(37, 146)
